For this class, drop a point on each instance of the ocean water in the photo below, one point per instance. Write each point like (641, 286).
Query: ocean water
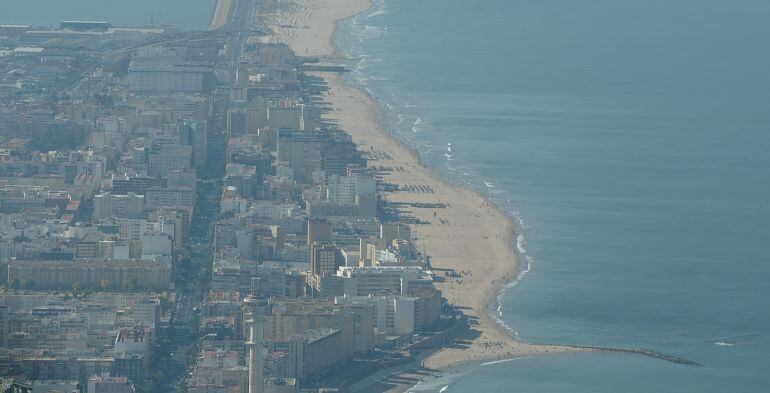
(185, 14)
(632, 142)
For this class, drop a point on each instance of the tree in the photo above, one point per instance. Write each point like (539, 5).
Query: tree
(60, 138)
(29, 284)
(165, 304)
(15, 284)
(131, 284)
(76, 289)
(21, 239)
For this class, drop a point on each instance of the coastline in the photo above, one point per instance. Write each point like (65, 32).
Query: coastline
(308, 27)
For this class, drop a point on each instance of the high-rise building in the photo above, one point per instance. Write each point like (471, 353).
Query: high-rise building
(169, 77)
(318, 231)
(127, 275)
(365, 281)
(339, 153)
(290, 118)
(193, 133)
(4, 323)
(326, 258)
(126, 206)
(135, 184)
(166, 157)
(255, 309)
(281, 385)
(302, 151)
(104, 383)
(359, 190)
(180, 197)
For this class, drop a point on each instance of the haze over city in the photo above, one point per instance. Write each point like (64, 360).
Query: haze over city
(269, 196)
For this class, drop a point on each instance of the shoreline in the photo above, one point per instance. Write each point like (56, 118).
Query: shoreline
(310, 28)
(447, 358)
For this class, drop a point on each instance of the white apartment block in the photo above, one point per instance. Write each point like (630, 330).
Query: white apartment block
(125, 206)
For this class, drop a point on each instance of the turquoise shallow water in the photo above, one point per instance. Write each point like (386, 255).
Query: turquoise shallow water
(632, 141)
(186, 14)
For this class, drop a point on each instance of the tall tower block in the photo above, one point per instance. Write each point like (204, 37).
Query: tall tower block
(254, 309)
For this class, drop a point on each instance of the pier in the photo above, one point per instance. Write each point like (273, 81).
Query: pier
(644, 352)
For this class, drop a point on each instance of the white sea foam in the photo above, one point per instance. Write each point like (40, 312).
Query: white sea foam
(378, 13)
(520, 242)
(366, 57)
(361, 79)
(371, 32)
(744, 339)
(525, 267)
(504, 361)
(520, 224)
(431, 148)
(419, 125)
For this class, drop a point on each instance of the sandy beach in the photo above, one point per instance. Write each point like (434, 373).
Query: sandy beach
(221, 12)
(470, 235)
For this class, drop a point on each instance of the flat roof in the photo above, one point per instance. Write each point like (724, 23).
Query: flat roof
(84, 21)
(28, 49)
